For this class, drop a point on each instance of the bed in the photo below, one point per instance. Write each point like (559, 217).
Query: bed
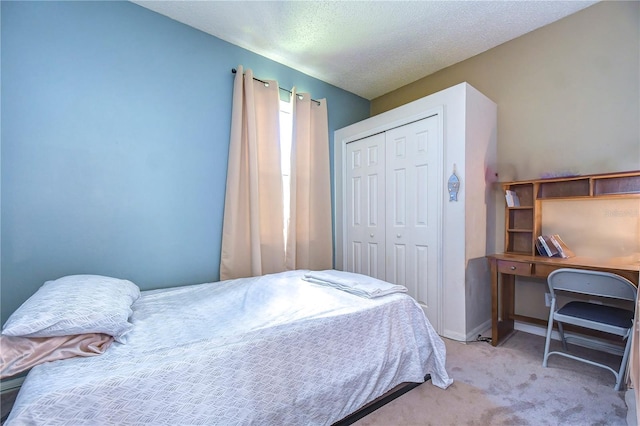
(277, 349)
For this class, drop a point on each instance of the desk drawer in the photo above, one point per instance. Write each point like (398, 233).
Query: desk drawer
(515, 268)
(544, 270)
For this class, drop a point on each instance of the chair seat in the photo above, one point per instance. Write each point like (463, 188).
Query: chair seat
(616, 317)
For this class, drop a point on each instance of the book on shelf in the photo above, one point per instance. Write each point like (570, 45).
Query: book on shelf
(512, 198)
(553, 246)
(548, 247)
(540, 248)
(564, 250)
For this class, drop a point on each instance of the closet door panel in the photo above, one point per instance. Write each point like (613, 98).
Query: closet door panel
(365, 207)
(398, 270)
(412, 211)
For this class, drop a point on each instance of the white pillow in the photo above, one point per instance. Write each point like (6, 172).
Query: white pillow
(76, 304)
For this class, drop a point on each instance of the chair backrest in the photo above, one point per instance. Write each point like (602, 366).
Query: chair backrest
(595, 283)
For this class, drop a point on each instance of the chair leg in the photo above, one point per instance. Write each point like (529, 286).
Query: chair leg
(548, 339)
(562, 337)
(623, 365)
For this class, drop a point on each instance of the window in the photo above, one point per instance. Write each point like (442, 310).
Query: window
(286, 131)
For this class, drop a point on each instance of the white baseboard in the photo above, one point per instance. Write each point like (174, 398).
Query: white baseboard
(458, 337)
(9, 385)
(534, 329)
(473, 334)
(632, 410)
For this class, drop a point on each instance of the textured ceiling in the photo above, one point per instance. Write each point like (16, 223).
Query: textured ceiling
(367, 47)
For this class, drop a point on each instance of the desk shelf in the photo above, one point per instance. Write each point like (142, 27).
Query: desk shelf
(523, 223)
(570, 188)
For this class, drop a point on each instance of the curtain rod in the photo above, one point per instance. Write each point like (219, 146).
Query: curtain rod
(233, 70)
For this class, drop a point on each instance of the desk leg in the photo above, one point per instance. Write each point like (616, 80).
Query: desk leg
(495, 306)
(507, 299)
(502, 304)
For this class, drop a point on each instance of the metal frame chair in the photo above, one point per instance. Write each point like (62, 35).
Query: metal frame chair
(595, 316)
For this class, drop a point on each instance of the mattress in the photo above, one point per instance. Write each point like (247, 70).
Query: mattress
(270, 350)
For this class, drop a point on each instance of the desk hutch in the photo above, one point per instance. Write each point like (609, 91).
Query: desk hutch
(523, 226)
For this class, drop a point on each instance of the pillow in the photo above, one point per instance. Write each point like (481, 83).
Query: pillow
(18, 354)
(76, 304)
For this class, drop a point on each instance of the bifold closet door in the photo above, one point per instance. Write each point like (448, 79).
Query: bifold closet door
(413, 178)
(392, 209)
(365, 206)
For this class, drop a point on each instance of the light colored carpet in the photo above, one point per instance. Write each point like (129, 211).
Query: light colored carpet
(507, 385)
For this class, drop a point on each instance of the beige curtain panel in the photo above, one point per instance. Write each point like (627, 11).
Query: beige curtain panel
(252, 234)
(309, 238)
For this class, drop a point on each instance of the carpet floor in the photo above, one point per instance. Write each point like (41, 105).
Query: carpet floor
(507, 385)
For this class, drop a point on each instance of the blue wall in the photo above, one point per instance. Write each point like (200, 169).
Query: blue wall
(115, 130)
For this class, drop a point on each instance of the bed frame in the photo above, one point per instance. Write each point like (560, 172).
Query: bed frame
(394, 393)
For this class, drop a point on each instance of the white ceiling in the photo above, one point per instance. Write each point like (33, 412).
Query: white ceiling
(367, 47)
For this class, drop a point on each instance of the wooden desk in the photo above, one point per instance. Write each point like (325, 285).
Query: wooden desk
(505, 267)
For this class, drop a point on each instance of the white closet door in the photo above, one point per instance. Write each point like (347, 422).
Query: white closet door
(413, 192)
(365, 207)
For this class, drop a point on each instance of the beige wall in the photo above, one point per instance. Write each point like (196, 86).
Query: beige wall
(568, 94)
(568, 99)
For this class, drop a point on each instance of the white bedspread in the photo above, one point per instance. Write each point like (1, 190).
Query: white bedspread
(271, 350)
